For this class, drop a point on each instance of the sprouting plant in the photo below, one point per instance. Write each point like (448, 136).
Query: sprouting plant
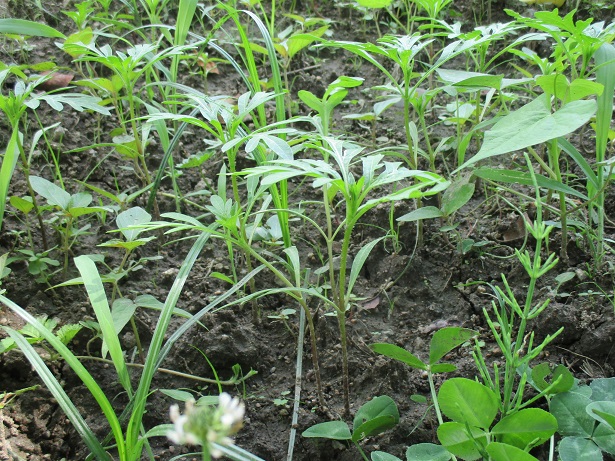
(335, 93)
(129, 439)
(128, 69)
(355, 194)
(14, 105)
(39, 264)
(290, 43)
(374, 417)
(82, 14)
(64, 334)
(69, 208)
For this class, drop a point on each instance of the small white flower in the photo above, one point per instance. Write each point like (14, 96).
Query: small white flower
(233, 411)
(206, 425)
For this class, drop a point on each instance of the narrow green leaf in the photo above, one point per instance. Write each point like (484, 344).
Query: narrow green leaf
(60, 395)
(28, 28)
(521, 177)
(98, 299)
(77, 367)
(9, 161)
(358, 262)
(397, 353)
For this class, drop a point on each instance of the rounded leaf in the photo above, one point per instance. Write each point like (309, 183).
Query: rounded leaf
(467, 401)
(578, 449)
(427, 452)
(503, 452)
(523, 427)
(457, 440)
(335, 430)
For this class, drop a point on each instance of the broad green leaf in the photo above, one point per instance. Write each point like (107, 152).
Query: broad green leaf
(603, 389)
(446, 339)
(374, 417)
(572, 419)
(533, 124)
(122, 311)
(525, 178)
(578, 449)
(134, 216)
(525, 426)
(22, 204)
(54, 195)
(427, 452)
(470, 80)
(310, 100)
(382, 456)
(398, 353)
(603, 412)
(541, 371)
(298, 42)
(335, 430)
(467, 401)
(28, 28)
(456, 439)
(457, 195)
(503, 452)
(604, 437)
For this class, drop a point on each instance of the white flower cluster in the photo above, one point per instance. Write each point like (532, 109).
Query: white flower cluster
(205, 425)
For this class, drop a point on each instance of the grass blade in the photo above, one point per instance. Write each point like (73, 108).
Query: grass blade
(60, 395)
(30, 28)
(98, 298)
(78, 368)
(6, 171)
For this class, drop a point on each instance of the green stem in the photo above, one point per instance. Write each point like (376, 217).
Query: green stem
(434, 397)
(554, 152)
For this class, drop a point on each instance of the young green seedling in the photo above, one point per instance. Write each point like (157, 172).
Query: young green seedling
(69, 207)
(442, 342)
(355, 192)
(333, 97)
(374, 417)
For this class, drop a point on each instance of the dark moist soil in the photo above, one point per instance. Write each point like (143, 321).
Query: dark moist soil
(403, 297)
